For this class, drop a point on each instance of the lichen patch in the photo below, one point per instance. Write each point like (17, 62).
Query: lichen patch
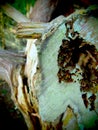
(75, 50)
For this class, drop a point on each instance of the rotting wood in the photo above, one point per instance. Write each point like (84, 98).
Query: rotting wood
(27, 93)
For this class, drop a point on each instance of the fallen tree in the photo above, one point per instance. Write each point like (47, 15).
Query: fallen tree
(48, 86)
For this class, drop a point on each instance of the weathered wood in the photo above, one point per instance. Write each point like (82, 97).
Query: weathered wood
(38, 30)
(45, 102)
(43, 10)
(55, 97)
(8, 62)
(14, 14)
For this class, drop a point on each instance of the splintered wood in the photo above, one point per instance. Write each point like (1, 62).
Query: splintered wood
(49, 82)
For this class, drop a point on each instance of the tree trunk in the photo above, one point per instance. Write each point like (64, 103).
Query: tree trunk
(47, 98)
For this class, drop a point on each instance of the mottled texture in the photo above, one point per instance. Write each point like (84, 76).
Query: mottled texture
(54, 97)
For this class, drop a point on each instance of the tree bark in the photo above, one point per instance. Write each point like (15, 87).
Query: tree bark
(43, 10)
(33, 76)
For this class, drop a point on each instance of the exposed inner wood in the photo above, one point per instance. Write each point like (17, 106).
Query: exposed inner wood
(44, 102)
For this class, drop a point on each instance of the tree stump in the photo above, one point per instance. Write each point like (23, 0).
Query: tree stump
(50, 83)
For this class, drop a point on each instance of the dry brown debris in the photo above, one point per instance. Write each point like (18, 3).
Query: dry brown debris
(74, 50)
